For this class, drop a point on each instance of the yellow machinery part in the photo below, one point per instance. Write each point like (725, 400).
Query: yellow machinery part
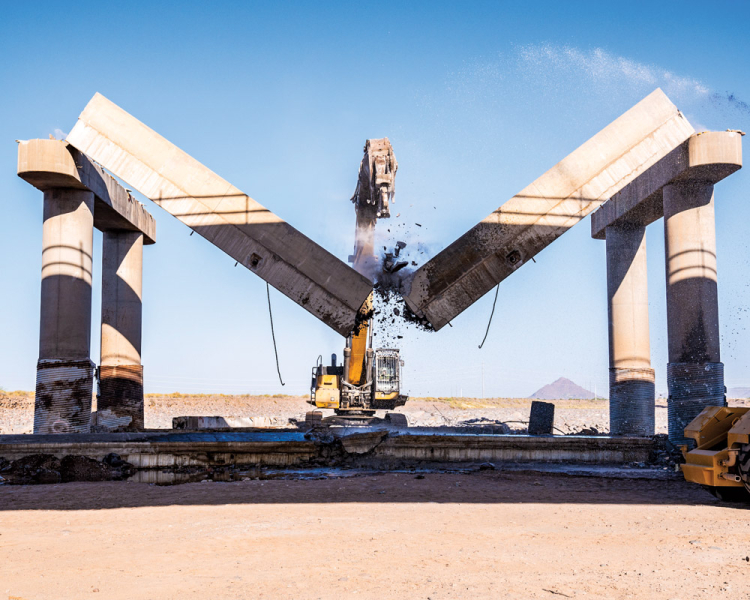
(386, 395)
(718, 432)
(705, 467)
(356, 374)
(739, 434)
(327, 393)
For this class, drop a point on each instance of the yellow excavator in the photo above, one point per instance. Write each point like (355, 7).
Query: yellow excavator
(720, 462)
(370, 378)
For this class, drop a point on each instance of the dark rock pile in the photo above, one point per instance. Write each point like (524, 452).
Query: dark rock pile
(46, 468)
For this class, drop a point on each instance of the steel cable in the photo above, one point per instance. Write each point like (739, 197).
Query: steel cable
(273, 335)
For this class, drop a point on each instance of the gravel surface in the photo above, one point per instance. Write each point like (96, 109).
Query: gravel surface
(571, 416)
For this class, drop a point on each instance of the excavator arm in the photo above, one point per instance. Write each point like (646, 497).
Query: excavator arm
(372, 198)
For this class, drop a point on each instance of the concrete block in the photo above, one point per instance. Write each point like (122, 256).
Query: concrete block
(541, 418)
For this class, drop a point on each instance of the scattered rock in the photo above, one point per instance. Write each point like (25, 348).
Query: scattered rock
(35, 468)
(588, 431)
(84, 468)
(113, 460)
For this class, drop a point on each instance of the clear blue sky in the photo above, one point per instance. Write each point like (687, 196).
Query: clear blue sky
(478, 99)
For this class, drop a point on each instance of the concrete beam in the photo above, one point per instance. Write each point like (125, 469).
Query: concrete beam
(534, 218)
(54, 164)
(247, 231)
(708, 156)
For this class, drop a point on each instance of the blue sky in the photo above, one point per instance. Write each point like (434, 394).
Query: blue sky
(478, 99)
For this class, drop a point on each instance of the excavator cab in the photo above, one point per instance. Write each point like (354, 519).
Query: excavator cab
(387, 378)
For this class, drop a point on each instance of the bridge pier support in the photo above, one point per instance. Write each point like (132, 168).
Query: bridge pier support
(120, 401)
(631, 378)
(695, 374)
(65, 373)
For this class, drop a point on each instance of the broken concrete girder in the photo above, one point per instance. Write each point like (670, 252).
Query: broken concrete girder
(534, 218)
(708, 156)
(231, 220)
(54, 164)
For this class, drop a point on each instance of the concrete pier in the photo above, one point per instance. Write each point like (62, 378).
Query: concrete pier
(78, 197)
(120, 402)
(695, 374)
(679, 187)
(65, 372)
(631, 378)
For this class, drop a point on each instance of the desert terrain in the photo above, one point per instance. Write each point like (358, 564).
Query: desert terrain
(399, 535)
(571, 416)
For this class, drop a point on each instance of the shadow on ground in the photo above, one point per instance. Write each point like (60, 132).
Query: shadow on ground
(482, 487)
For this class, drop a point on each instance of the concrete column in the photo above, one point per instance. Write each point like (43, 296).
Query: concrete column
(631, 378)
(65, 371)
(695, 374)
(120, 403)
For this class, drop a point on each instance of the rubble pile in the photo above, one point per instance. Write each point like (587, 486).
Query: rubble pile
(47, 468)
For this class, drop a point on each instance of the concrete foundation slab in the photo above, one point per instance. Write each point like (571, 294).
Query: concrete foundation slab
(381, 449)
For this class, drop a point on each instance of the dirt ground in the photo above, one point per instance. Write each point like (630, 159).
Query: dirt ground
(572, 416)
(483, 535)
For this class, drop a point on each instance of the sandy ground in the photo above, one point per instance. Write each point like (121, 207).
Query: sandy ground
(571, 416)
(483, 535)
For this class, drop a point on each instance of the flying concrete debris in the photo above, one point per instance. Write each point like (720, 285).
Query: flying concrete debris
(530, 221)
(248, 232)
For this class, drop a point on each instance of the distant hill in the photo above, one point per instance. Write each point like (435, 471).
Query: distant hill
(738, 392)
(562, 389)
